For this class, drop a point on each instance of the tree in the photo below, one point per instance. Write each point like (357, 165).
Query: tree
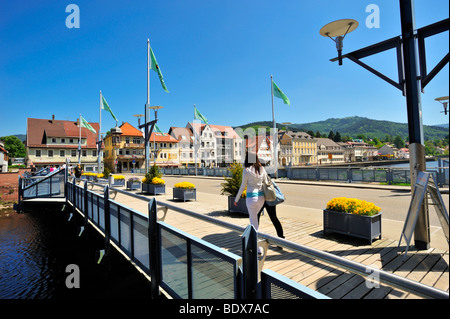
(14, 146)
(337, 137)
(399, 142)
(318, 134)
(331, 135)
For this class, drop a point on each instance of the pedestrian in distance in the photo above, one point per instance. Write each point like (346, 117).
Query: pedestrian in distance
(78, 171)
(253, 177)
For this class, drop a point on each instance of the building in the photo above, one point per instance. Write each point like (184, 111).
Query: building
(387, 151)
(185, 139)
(329, 152)
(285, 149)
(52, 142)
(217, 145)
(262, 146)
(164, 150)
(358, 150)
(304, 148)
(124, 149)
(403, 153)
(3, 158)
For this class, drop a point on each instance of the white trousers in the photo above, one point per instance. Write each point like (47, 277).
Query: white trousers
(254, 205)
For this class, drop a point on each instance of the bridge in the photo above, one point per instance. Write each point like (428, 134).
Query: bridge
(187, 254)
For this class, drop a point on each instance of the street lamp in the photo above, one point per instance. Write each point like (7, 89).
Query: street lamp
(412, 79)
(155, 108)
(339, 29)
(444, 101)
(139, 118)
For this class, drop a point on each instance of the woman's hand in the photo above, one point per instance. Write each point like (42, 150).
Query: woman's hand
(235, 204)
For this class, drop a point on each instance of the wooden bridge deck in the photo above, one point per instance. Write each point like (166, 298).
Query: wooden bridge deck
(429, 267)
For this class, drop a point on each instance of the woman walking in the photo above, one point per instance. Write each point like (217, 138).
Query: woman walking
(253, 176)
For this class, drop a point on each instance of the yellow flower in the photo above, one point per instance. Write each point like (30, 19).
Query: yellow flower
(184, 185)
(353, 206)
(157, 180)
(119, 177)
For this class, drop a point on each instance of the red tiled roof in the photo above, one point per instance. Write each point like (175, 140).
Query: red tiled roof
(37, 129)
(162, 137)
(130, 130)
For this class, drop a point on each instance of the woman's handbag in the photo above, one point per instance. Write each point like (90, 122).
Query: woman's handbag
(270, 193)
(280, 196)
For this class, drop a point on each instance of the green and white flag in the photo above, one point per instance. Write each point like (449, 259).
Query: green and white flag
(85, 124)
(155, 67)
(199, 116)
(278, 93)
(158, 130)
(106, 107)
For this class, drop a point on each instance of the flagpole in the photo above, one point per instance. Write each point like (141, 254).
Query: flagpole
(99, 146)
(79, 143)
(275, 137)
(195, 143)
(147, 148)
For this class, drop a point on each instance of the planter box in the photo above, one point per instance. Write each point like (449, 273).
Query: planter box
(184, 194)
(133, 185)
(240, 208)
(366, 227)
(118, 182)
(154, 189)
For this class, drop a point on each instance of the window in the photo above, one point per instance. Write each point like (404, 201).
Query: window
(50, 153)
(73, 153)
(84, 153)
(63, 140)
(71, 140)
(136, 140)
(53, 140)
(62, 153)
(127, 140)
(38, 153)
(94, 152)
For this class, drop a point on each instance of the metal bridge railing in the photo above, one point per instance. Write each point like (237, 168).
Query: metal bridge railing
(181, 264)
(162, 251)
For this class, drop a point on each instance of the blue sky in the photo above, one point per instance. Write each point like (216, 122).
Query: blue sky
(216, 54)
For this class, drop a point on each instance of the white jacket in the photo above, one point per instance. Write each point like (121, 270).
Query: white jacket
(252, 180)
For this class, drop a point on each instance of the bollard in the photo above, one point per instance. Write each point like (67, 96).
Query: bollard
(250, 262)
(154, 249)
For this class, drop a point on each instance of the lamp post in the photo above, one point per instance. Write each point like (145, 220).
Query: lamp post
(155, 108)
(412, 79)
(444, 101)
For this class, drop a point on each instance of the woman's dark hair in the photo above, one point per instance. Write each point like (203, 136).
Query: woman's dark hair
(251, 159)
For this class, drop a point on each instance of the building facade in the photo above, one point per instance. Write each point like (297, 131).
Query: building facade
(304, 148)
(3, 158)
(329, 152)
(185, 140)
(124, 149)
(52, 142)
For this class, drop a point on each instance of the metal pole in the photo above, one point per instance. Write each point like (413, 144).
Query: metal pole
(147, 148)
(414, 112)
(99, 146)
(275, 137)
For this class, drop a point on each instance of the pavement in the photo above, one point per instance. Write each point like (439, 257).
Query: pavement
(213, 204)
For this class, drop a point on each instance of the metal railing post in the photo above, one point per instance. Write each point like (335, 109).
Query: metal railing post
(250, 262)
(154, 249)
(106, 216)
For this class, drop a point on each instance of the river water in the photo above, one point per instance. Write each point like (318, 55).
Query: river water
(36, 248)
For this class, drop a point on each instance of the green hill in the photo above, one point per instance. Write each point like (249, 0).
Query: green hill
(352, 126)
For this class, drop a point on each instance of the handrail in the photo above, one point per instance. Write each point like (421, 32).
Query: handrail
(50, 175)
(352, 266)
